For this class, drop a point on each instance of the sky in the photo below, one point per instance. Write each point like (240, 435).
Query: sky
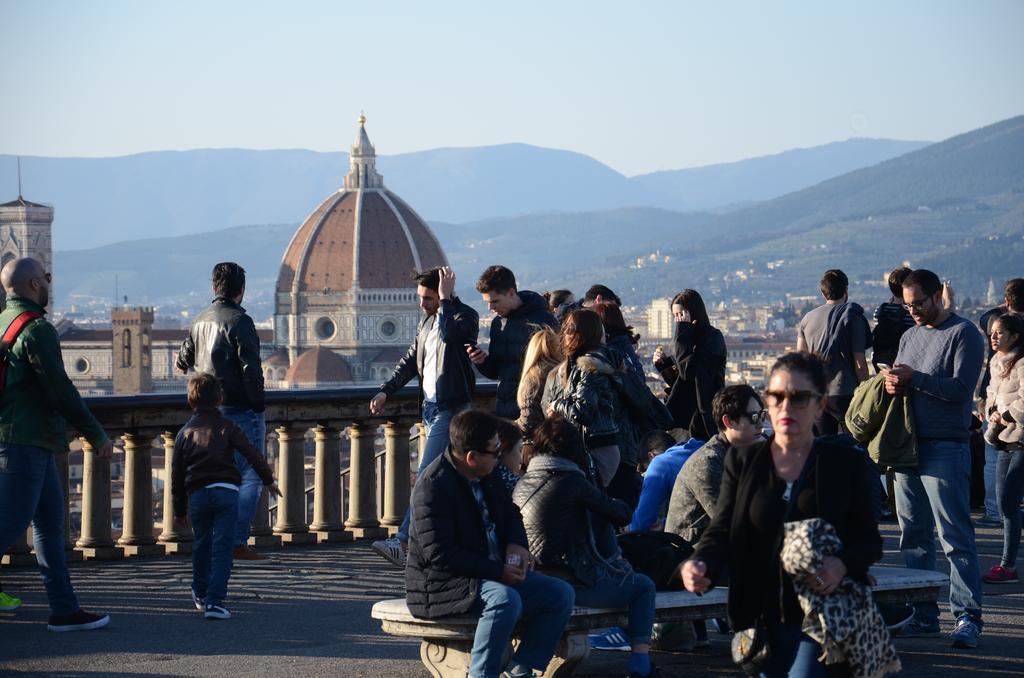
(640, 86)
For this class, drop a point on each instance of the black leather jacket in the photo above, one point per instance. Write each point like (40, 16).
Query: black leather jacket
(223, 342)
(458, 325)
(556, 500)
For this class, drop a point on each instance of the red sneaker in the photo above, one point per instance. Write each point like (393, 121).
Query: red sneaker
(1000, 575)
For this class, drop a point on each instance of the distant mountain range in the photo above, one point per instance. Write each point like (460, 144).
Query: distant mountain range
(100, 201)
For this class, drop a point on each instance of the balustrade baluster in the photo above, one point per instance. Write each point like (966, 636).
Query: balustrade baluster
(173, 538)
(362, 509)
(95, 541)
(327, 487)
(70, 553)
(137, 532)
(396, 474)
(291, 508)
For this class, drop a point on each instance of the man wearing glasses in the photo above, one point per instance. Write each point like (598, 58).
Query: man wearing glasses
(938, 364)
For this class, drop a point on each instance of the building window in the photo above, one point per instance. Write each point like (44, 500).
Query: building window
(126, 348)
(81, 366)
(387, 328)
(324, 328)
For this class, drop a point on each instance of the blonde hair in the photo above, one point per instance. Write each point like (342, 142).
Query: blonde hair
(542, 354)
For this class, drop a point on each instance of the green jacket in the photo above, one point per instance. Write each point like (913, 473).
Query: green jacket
(885, 423)
(38, 396)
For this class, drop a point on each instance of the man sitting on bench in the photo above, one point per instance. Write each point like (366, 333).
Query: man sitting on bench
(468, 555)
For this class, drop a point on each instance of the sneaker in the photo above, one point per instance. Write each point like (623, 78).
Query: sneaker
(612, 639)
(77, 621)
(997, 575)
(217, 612)
(965, 633)
(8, 603)
(988, 521)
(196, 600)
(243, 552)
(915, 628)
(391, 549)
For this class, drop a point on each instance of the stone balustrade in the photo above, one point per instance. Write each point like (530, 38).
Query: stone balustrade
(318, 428)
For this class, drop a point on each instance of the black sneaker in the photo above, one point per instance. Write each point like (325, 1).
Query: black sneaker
(77, 621)
(217, 612)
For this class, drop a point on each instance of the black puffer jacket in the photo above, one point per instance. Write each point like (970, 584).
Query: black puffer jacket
(694, 374)
(508, 339)
(223, 342)
(448, 553)
(556, 501)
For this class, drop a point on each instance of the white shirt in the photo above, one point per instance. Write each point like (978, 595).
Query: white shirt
(430, 350)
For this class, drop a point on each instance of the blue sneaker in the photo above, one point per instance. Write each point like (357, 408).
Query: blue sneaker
(612, 639)
(965, 633)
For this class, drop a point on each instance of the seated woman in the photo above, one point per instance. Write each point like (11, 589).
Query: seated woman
(788, 477)
(559, 505)
(510, 454)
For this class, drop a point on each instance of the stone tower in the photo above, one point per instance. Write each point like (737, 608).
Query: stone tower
(25, 231)
(132, 363)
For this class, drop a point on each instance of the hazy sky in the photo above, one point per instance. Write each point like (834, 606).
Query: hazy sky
(639, 86)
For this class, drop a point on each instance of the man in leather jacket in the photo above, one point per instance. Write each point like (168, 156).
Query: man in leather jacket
(223, 342)
(437, 357)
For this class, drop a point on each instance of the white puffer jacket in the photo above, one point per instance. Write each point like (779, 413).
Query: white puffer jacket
(1006, 396)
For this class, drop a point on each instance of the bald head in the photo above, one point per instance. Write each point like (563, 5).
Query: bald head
(26, 278)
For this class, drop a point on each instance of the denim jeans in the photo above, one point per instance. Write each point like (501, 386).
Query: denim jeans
(436, 422)
(254, 425)
(991, 493)
(213, 512)
(1010, 489)
(938, 494)
(635, 591)
(30, 492)
(545, 603)
(793, 654)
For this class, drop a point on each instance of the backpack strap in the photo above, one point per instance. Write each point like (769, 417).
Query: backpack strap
(10, 336)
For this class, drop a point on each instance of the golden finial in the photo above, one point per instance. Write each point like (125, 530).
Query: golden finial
(362, 118)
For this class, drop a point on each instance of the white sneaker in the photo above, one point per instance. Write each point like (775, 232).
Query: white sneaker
(391, 549)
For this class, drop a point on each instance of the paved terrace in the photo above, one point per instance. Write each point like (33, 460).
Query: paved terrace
(306, 611)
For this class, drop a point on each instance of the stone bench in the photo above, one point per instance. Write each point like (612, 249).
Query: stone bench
(446, 643)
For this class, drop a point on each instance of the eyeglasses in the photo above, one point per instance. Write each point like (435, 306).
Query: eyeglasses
(49, 277)
(756, 418)
(798, 399)
(917, 305)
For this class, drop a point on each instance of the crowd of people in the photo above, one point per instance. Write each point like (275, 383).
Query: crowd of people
(521, 513)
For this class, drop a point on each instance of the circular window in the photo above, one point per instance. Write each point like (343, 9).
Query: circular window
(325, 328)
(387, 328)
(81, 365)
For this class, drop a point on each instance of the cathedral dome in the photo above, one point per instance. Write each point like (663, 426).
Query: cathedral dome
(318, 366)
(361, 237)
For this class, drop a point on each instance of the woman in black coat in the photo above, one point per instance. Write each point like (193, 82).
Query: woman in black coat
(695, 371)
(788, 477)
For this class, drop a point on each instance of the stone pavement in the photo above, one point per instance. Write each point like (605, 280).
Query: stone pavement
(306, 611)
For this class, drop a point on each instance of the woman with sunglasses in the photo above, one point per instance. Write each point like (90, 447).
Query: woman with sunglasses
(788, 477)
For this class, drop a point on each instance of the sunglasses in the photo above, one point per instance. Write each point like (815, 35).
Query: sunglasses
(756, 418)
(798, 399)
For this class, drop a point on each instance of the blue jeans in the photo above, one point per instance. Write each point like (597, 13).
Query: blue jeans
(213, 512)
(254, 425)
(991, 493)
(436, 422)
(938, 494)
(793, 654)
(544, 602)
(635, 591)
(30, 492)
(1010, 489)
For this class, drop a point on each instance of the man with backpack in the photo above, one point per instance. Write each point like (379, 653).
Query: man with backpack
(838, 332)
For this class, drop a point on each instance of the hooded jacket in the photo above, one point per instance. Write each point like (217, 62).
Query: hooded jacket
(509, 336)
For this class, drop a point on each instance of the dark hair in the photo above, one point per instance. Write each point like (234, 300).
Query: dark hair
(431, 279)
(732, 401)
(508, 433)
(203, 391)
(1014, 324)
(556, 298)
(228, 279)
(496, 279)
(472, 430)
(605, 293)
(896, 278)
(834, 284)
(692, 302)
(1013, 292)
(614, 323)
(656, 440)
(581, 332)
(557, 437)
(925, 279)
(808, 364)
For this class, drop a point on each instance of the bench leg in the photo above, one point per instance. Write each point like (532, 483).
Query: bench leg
(446, 658)
(572, 650)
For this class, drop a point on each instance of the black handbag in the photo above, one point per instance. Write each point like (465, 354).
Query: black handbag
(750, 649)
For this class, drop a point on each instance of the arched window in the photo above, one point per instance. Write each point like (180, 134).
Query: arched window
(126, 348)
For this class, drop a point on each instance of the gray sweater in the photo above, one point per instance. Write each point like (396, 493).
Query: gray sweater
(947, 361)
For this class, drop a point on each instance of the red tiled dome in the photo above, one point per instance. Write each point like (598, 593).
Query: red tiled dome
(319, 366)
